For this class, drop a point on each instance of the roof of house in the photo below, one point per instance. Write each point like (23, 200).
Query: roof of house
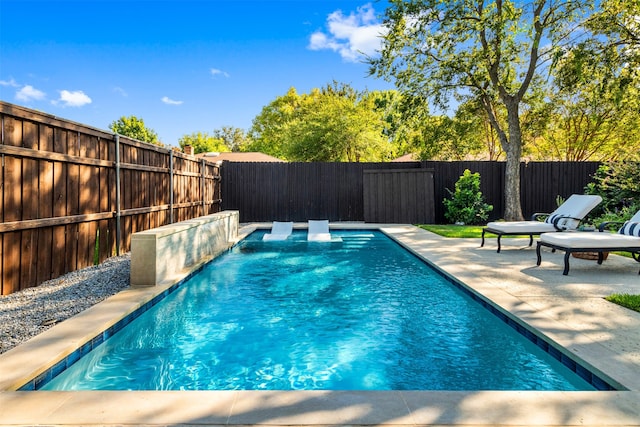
(239, 157)
(411, 157)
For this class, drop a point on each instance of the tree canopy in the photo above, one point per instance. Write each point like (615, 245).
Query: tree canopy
(202, 142)
(334, 123)
(133, 127)
(234, 138)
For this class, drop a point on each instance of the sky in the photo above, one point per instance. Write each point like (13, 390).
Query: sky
(181, 66)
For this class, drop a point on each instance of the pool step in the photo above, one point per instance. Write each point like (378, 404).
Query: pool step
(360, 241)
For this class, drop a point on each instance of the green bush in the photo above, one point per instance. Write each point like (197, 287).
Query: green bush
(467, 204)
(617, 184)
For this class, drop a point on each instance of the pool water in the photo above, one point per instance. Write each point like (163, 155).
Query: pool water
(360, 314)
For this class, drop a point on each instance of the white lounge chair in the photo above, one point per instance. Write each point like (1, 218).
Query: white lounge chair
(627, 239)
(566, 217)
(319, 231)
(279, 231)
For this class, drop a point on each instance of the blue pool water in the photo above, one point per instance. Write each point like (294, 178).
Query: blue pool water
(361, 314)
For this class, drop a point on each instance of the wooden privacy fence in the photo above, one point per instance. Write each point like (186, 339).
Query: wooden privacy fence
(72, 195)
(335, 191)
(297, 191)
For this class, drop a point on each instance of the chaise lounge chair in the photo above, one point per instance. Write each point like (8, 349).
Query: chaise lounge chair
(279, 231)
(566, 217)
(627, 239)
(319, 231)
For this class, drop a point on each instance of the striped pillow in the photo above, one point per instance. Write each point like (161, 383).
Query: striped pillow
(551, 218)
(630, 229)
(561, 222)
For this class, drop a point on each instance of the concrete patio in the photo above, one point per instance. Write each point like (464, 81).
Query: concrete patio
(569, 310)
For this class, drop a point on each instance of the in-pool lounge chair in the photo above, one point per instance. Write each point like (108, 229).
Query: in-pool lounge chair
(627, 239)
(566, 217)
(279, 231)
(319, 231)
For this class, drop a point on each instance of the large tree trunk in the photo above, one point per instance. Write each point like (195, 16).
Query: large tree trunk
(513, 149)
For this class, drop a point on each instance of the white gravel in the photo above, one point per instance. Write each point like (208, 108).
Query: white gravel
(29, 312)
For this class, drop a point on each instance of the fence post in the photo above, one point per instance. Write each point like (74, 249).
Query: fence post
(171, 187)
(118, 196)
(202, 187)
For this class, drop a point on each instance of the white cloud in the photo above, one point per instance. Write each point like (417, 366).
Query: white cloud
(29, 93)
(170, 101)
(11, 82)
(216, 72)
(121, 91)
(351, 36)
(72, 99)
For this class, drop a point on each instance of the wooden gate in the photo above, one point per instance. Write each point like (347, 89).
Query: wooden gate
(399, 196)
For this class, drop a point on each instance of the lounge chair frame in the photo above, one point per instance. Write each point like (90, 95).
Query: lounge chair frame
(634, 250)
(534, 217)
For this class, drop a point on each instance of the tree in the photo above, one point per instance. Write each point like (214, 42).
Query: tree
(493, 51)
(234, 138)
(335, 123)
(478, 130)
(467, 134)
(268, 127)
(595, 89)
(203, 143)
(135, 128)
(591, 121)
(618, 21)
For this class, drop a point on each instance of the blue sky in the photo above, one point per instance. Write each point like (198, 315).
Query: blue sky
(182, 66)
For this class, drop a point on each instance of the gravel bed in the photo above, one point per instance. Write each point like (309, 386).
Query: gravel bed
(29, 312)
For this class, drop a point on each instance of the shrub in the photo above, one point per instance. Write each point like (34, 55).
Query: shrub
(617, 184)
(467, 203)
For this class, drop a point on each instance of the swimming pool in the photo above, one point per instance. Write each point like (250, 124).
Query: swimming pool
(363, 314)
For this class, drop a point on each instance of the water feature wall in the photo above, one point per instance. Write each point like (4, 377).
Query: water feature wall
(168, 253)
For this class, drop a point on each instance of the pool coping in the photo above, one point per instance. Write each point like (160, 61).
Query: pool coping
(492, 275)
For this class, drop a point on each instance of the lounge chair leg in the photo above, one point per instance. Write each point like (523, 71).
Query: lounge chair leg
(482, 243)
(538, 254)
(566, 263)
(600, 257)
(499, 245)
(530, 239)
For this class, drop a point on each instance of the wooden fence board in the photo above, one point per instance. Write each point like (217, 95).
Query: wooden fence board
(12, 210)
(29, 250)
(11, 262)
(58, 260)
